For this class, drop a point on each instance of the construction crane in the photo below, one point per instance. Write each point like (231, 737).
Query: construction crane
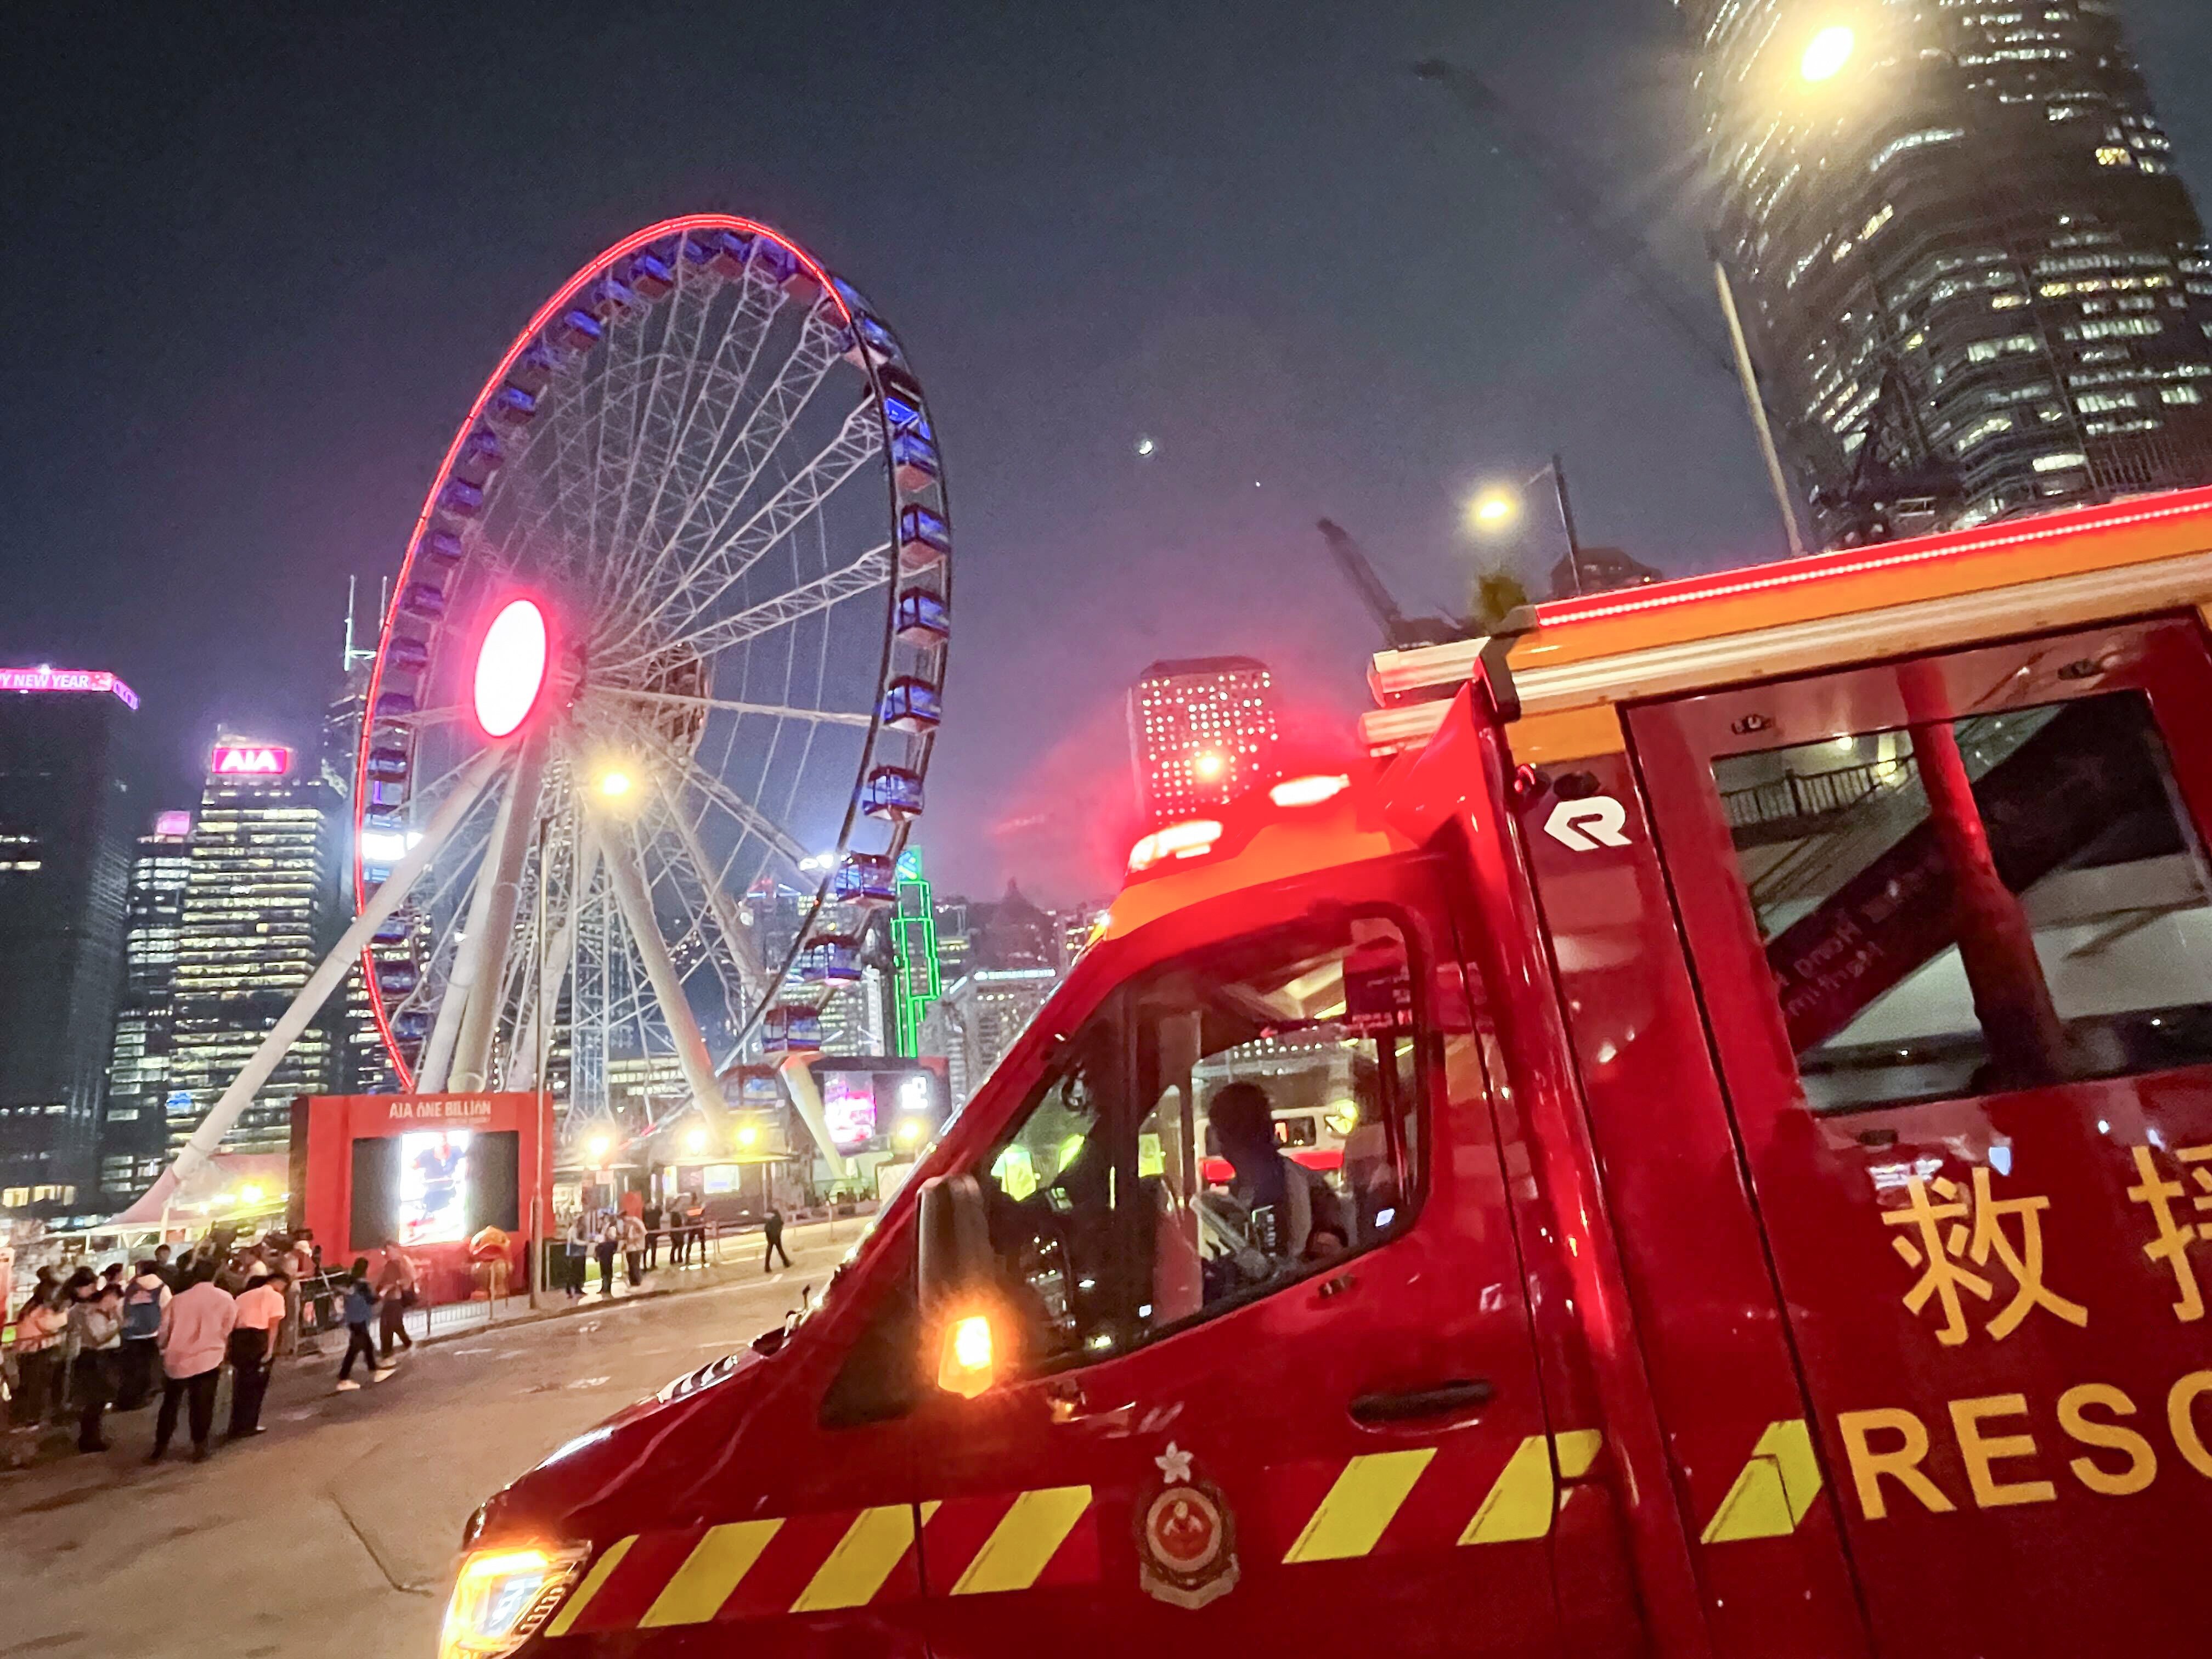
(1662, 296)
(1582, 208)
(1400, 631)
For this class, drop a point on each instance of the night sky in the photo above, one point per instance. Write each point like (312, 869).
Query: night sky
(263, 256)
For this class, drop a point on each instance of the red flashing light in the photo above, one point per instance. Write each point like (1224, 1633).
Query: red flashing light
(511, 666)
(1933, 550)
(1189, 840)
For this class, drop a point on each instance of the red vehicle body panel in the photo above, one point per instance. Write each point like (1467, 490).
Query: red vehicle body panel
(1684, 1287)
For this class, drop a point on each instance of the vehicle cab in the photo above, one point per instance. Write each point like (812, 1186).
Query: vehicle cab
(1758, 1032)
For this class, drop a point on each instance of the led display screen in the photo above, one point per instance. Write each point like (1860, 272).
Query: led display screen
(435, 1186)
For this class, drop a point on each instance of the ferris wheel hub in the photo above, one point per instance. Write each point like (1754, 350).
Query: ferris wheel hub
(512, 666)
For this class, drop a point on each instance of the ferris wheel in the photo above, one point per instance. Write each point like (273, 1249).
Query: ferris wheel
(671, 632)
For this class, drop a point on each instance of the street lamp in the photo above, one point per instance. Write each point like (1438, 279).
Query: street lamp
(1828, 51)
(695, 1140)
(614, 783)
(1494, 511)
(599, 1146)
(1498, 508)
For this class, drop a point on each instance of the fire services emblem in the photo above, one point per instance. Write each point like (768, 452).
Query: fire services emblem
(1186, 1537)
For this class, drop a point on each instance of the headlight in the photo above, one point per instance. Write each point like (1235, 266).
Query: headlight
(503, 1596)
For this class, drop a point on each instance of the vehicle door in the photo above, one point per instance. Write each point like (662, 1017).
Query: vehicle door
(1951, 920)
(1276, 1405)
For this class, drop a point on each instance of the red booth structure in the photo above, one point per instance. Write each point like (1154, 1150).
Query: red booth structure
(429, 1170)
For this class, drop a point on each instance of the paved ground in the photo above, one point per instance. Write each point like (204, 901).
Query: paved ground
(335, 1533)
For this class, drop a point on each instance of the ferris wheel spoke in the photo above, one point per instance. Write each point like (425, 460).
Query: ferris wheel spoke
(748, 817)
(657, 432)
(725, 564)
(864, 575)
(779, 711)
(730, 481)
(750, 314)
(746, 986)
(745, 340)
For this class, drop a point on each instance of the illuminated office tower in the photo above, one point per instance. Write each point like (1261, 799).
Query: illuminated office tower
(133, 1142)
(262, 908)
(64, 870)
(917, 982)
(1202, 731)
(1971, 281)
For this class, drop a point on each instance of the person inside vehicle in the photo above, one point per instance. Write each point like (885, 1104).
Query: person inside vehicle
(1285, 1213)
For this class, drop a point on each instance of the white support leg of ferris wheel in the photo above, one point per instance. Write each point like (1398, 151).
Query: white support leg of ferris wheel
(750, 971)
(627, 878)
(197, 1153)
(502, 865)
(430, 1077)
(553, 969)
(807, 1095)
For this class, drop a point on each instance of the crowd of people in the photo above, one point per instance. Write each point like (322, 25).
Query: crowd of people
(96, 1343)
(633, 1235)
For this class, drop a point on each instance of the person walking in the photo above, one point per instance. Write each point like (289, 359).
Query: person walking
(577, 1251)
(610, 1242)
(653, 1217)
(253, 1350)
(633, 1248)
(95, 1321)
(144, 1295)
(195, 1331)
(40, 1325)
(773, 1228)
(359, 1309)
(395, 1293)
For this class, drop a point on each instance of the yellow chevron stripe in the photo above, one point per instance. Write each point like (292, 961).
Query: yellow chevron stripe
(1370, 1491)
(1577, 1450)
(581, 1597)
(1025, 1540)
(717, 1562)
(1519, 1503)
(1773, 1491)
(864, 1558)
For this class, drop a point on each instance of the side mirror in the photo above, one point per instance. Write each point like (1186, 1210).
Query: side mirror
(953, 1270)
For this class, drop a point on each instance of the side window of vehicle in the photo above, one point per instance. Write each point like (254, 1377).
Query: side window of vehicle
(1228, 1126)
(1969, 906)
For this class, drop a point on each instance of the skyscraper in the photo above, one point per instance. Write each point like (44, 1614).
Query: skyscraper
(133, 1141)
(1971, 281)
(976, 1020)
(261, 910)
(1202, 731)
(364, 1066)
(65, 866)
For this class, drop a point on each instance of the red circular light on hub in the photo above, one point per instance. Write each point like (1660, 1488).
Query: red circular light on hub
(511, 665)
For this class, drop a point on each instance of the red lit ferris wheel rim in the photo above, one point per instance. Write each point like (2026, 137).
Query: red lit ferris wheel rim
(553, 307)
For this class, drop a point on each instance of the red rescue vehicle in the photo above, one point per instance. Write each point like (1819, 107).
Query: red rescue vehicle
(1766, 1021)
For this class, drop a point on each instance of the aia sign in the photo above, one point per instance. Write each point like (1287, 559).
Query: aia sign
(249, 760)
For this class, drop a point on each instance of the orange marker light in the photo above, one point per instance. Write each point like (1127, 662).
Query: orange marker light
(966, 1366)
